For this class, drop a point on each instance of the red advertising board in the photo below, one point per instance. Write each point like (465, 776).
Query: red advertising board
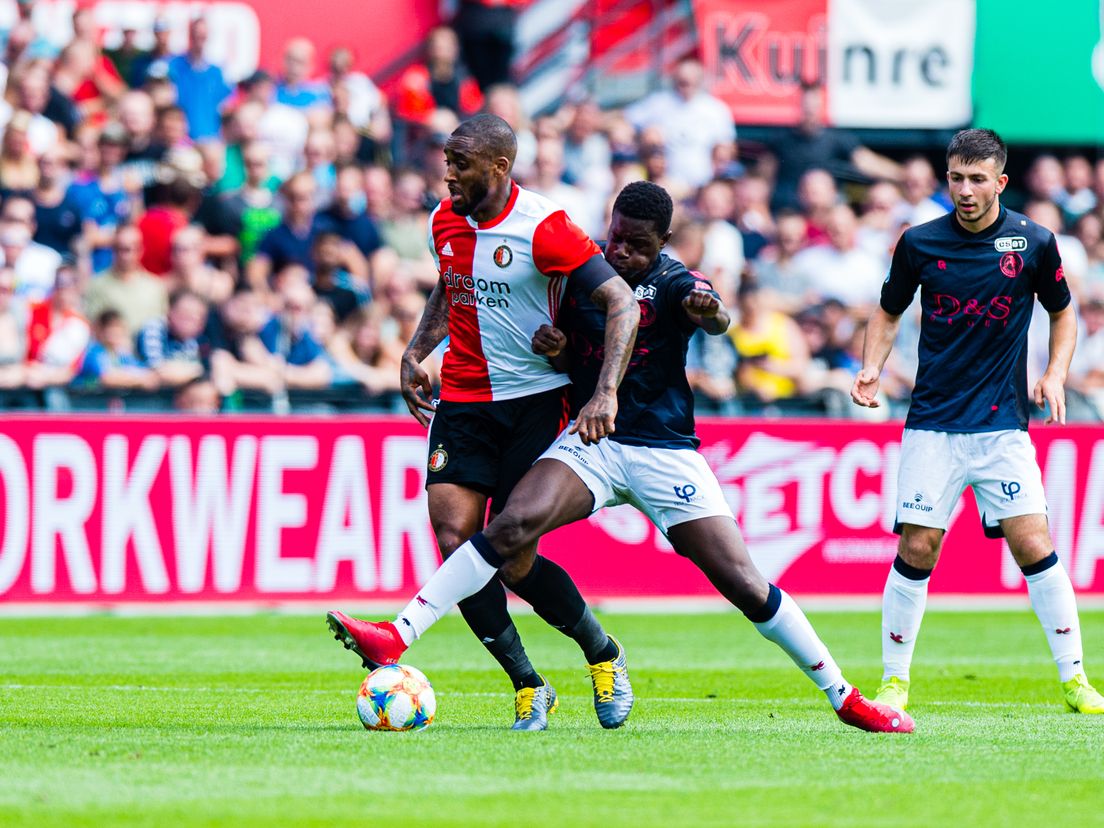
(757, 54)
(116, 510)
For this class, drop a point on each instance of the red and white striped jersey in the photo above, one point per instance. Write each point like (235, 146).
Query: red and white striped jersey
(503, 278)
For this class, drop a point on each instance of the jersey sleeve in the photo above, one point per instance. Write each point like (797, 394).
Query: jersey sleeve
(560, 246)
(429, 238)
(1050, 282)
(901, 283)
(678, 288)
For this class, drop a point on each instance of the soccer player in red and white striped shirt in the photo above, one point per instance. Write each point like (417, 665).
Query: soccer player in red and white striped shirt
(505, 256)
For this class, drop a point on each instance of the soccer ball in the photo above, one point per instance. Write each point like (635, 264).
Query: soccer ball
(396, 697)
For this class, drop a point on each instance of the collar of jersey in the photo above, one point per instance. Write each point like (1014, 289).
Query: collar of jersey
(501, 217)
(989, 231)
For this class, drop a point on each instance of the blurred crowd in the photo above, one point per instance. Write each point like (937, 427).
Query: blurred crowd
(167, 235)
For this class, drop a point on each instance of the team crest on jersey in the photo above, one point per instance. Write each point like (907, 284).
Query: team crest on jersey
(1011, 264)
(503, 255)
(438, 459)
(1010, 243)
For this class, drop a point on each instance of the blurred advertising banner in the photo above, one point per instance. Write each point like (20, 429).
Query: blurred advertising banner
(1041, 79)
(129, 509)
(247, 34)
(884, 63)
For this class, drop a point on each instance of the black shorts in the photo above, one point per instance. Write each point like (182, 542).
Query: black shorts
(489, 446)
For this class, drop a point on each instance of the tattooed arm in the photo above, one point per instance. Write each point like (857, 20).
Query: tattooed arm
(596, 418)
(431, 330)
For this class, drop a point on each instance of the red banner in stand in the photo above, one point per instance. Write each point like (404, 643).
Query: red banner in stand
(140, 509)
(757, 54)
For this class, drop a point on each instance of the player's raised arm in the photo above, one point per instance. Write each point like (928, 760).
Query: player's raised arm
(615, 297)
(431, 330)
(706, 310)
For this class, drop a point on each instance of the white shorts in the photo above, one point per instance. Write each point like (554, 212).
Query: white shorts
(669, 486)
(936, 467)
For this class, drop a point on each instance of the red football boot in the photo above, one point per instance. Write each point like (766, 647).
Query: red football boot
(864, 714)
(377, 644)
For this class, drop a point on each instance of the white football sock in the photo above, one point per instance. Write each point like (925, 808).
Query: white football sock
(463, 573)
(791, 630)
(903, 604)
(1052, 599)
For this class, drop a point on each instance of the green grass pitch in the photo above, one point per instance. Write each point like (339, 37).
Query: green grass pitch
(251, 720)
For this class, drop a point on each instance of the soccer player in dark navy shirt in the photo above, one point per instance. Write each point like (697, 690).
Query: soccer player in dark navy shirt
(648, 460)
(979, 270)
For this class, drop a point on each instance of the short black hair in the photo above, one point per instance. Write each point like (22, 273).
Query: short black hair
(648, 202)
(975, 145)
(492, 135)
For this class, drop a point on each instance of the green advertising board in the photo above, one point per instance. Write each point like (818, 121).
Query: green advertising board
(1034, 78)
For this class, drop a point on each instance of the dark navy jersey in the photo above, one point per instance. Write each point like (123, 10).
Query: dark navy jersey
(977, 292)
(655, 406)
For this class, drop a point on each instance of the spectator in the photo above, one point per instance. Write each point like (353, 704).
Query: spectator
(57, 334)
(296, 89)
(547, 180)
(18, 167)
(1090, 232)
(287, 337)
(486, 32)
(238, 358)
(404, 229)
(174, 204)
(281, 127)
(587, 154)
(189, 270)
(177, 346)
(1080, 197)
(332, 282)
(919, 186)
(692, 121)
(158, 57)
(1046, 180)
(811, 145)
(817, 196)
(87, 79)
(358, 350)
(841, 269)
(438, 83)
(136, 114)
(723, 259)
(59, 212)
(785, 285)
(110, 361)
(13, 332)
(752, 195)
(1075, 260)
(290, 241)
(319, 153)
(33, 96)
(127, 287)
(35, 264)
(879, 226)
(771, 351)
(199, 396)
(1086, 375)
(366, 109)
(251, 208)
(200, 87)
(127, 54)
(106, 194)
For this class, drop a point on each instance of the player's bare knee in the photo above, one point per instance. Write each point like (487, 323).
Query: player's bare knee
(1030, 549)
(512, 532)
(920, 549)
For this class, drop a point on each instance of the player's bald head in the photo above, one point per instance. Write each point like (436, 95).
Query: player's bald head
(486, 135)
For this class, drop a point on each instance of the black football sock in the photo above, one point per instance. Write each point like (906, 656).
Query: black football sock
(489, 619)
(556, 599)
